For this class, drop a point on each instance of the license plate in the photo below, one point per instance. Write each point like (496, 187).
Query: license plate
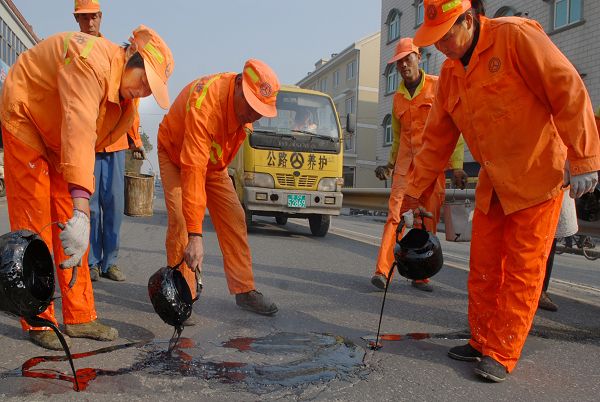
(296, 201)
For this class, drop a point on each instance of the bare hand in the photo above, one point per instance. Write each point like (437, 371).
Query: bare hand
(459, 179)
(138, 153)
(193, 254)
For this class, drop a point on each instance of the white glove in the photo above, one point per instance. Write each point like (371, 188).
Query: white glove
(139, 153)
(75, 239)
(580, 184)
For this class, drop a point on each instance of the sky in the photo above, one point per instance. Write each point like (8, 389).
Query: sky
(208, 36)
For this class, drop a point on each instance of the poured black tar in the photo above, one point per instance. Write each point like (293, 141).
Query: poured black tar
(311, 358)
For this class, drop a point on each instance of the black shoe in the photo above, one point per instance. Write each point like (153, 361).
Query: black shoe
(425, 287)
(256, 302)
(491, 369)
(379, 281)
(465, 353)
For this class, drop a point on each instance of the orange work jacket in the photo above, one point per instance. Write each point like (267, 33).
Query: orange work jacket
(201, 135)
(61, 98)
(133, 133)
(408, 120)
(522, 109)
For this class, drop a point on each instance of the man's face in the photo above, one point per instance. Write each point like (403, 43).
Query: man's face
(408, 66)
(457, 40)
(89, 23)
(134, 84)
(243, 111)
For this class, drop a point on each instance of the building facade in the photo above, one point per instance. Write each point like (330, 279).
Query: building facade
(15, 33)
(573, 25)
(351, 78)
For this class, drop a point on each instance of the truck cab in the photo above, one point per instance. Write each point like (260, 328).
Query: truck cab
(291, 165)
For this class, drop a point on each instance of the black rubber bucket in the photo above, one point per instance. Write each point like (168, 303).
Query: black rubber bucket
(418, 255)
(171, 296)
(26, 274)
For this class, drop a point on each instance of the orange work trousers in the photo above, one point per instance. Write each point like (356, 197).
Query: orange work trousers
(507, 266)
(227, 216)
(385, 258)
(37, 195)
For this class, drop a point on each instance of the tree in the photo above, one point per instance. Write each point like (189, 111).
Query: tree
(132, 165)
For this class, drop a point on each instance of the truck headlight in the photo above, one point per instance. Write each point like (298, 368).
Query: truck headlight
(328, 184)
(263, 180)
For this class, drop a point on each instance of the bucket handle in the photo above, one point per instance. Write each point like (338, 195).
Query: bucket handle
(199, 284)
(401, 226)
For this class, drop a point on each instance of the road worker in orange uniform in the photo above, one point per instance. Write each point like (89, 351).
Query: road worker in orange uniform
(412, 102)
(197, 139)
(528, 120)
(107, 202)
(66, 98)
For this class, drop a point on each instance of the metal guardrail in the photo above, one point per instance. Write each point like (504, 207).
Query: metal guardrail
(376, 199)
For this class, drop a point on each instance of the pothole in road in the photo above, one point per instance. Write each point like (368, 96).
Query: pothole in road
(285, 360)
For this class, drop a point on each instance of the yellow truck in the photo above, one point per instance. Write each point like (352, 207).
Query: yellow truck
(291, 165)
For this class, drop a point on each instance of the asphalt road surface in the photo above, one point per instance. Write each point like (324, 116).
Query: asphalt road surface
(314, 348)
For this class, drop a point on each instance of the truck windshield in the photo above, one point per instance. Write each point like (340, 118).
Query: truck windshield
(301, 114)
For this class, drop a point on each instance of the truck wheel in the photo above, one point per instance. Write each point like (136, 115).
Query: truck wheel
(248, 218)
(281, 220)
(319, 224)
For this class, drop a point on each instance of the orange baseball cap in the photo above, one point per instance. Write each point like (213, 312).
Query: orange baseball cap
(260, 85)
(440, 15)
(86, 6)
(158, 62)
(403, 48)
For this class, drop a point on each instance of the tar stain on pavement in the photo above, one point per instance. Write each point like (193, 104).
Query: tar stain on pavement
(288, 360)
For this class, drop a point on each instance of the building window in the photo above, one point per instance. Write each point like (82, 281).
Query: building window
(324, 85)
(566, 12)
(424, 64)
(348, 174)
(313, 87)
(11, 45)
(351, 70)
(505, 11)
(393, 24)
(420, 11)
(388, 133)
(350, 105)
(392, 78)
(336, 78)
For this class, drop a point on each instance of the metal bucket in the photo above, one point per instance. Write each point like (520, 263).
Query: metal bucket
(139, 194)
(26, 274)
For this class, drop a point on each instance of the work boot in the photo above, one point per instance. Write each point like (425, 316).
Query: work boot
(114, 273)
(546, 302)
(256, 302)
(491, 369)
(466, 353)
(47, 339)
(191, 321)
(379, 281)
(425, 287)
(95, 274)
(92, 330)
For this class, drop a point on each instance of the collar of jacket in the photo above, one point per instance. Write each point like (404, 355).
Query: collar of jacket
(485, 41)
(402, 87)
(117, 63)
